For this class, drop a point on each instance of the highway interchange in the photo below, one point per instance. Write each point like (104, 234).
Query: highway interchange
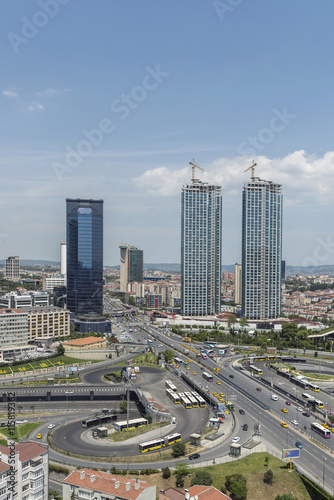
(315, 460)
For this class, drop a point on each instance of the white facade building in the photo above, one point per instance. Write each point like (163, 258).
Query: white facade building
(12, 268)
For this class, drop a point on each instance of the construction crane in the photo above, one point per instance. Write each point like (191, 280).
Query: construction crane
(252, 167)
(193, 165)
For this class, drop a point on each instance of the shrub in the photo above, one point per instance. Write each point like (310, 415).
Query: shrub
(203, 478)
(166, 473)
(268, 477)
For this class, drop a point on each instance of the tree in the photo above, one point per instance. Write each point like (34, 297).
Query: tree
(178, 450)
(285, 496)
(123, 405)
(166, 473)
(266, 461)
(268, 477)
(168, 355)
(60, 350)
(231, 320)
(132, 301)
(238, 491)
(181, 469)
(202, 478)
(243, 321)
(234, 478)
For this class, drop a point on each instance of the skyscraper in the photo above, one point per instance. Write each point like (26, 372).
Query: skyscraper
(201, 234)
(131, 266)
(261, 249)
(84, 238)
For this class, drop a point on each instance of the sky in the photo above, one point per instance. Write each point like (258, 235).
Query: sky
(111, 99)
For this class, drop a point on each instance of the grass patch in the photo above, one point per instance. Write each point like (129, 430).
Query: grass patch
(43, 363)
(21, 431)
(123, 436)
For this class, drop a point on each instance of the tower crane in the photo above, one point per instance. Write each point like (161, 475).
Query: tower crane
(253, 169)
(193, 165)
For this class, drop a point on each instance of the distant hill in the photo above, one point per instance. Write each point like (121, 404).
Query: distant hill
(35, 263)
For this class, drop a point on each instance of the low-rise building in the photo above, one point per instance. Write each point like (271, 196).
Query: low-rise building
(25, 299)
(97, 485)
(86, 343)
(194, 492)
(26, 474)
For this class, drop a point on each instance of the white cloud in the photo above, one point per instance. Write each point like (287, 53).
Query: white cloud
(35, 106)
(303, 177)
(51, 92)
(10, 93)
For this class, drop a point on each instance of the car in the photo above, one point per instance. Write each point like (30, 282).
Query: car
(230, 359)
(288, 403)
(274, 397)
(294, 422)
(236, 439)
(194, 373)
(194, 456)
(299, 408)
(306, 414)
(218, 382)
(188, 367)
(299, 445)
(284, 410)
(242, 412)
(215, 394)
(245, 427)
(39, 436)
(221, 395)
(283, 424)
(69, 392)
(51, 426)
(231, 376)
(21, 421)
(258, 389)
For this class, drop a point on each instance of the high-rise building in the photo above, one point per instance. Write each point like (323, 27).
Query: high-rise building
(238, 283)
(283, 269)
(84, 240)
(63, 258)
(261, 249)
(131, 266)
(201, 235)
(12, 268)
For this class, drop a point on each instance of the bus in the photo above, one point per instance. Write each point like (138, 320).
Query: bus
(207, 376)
(210, 344)
(173, 396)
(315, 403)
(131, 424)
(178, 361)
(185, 401)
(319, 429)
(314, 387)
(170, 385)
(102, 419)
(301, 383)
(192, 399)
(307, 396)
(229, 405)
(156, 444)
(256, 370)
(201, 401)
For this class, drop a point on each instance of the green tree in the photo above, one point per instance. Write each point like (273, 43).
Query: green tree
(266, 461)
(166, 473)
(60, 350)
(231, 320)
(168, 355)
(243, 321)
(285, 496)
(123, 405)
(181, 469)
(235, 478)
(238, 491)
(132, 301)
(202, 478)
(178, 450)
(268, 477)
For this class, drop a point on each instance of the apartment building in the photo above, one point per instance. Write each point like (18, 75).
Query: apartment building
(28, 477)
(12, 268)
(47, 323)
(95, 485)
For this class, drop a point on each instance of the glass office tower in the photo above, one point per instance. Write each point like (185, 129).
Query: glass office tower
(84, 220)
(201, 234)
(261, 249)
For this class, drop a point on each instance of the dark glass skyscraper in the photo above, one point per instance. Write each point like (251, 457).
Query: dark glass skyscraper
(84, 238)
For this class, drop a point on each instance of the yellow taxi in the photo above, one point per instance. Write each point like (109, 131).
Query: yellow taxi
(215, 394)
(39, 436)
(221, 395)
(188, 367)
(283, 424)
(218, 382)
(230, 359)
(284, 410)
(194, 373)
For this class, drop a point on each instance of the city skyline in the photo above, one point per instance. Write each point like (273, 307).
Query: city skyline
(119, 115)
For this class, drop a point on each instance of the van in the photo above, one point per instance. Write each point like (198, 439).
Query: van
(274, 397)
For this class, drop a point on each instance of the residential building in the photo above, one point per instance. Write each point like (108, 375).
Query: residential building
(97, 485)
(131, 266)
(84, 237)
(86, 343)
(25, 468)
(12, 268)
(45, 323)
(194, 492)
(261, 249)
(153, 301)
(201, 243)
(13, 328)
(238, 283)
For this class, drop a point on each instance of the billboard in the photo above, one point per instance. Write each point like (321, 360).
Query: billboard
(292, 453)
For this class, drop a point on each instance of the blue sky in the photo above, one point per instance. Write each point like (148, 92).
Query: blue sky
(224, 82)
